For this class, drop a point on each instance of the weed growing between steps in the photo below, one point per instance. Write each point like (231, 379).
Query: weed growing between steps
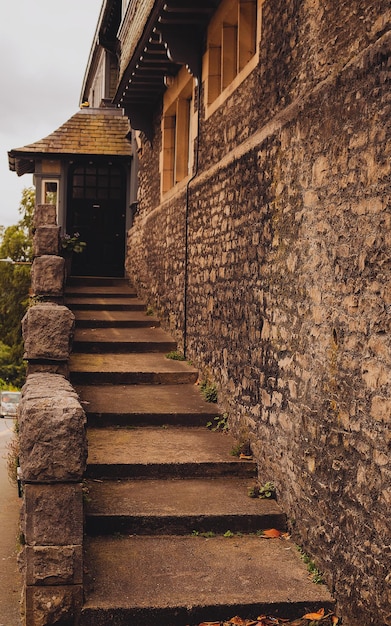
(242, 448)
(269, 533)
(309, 619)
(266, 490)
(316, 575)
(220, 422)
(174, 355)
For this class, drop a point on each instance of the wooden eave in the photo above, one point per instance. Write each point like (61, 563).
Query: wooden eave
(174, 36)
(111, 19)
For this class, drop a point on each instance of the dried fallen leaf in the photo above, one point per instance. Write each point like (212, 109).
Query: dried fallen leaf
(245, 457)
(238, 621)
(210, 624)
(271, 533)
(315, 616)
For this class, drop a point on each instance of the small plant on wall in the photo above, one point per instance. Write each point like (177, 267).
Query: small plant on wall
(209, 391)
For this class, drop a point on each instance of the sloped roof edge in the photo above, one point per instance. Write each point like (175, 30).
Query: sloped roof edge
(90, 132)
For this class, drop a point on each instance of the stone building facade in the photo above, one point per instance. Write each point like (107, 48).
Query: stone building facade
(268, 259)
(261, 237)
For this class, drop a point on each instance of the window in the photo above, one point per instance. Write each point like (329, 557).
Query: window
(96, 182)
(177, 131)
(232, 50)
(50, 192)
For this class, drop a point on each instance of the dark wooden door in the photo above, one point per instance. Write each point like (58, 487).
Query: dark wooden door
(96, 210)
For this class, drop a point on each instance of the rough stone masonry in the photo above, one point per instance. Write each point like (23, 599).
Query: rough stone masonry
(287, 278)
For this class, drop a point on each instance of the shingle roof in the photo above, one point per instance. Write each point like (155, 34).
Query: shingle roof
(89, 132)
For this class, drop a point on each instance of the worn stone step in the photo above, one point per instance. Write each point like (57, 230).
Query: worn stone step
(105, 304)
(99, 291)
(114, 319)
(178, 506)
(162, 453)
(152, 368)
(82, 281)
(145, 405)
(119, 340)
(178, 580)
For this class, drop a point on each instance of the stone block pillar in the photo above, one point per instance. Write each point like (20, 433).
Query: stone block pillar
(53, 447)
(48, 271)
(48, 332)
(46, 240)
(53, 453)
(47, 277)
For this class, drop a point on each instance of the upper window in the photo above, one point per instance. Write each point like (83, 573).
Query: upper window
(177, 131)
(233, 47)
(50, 192)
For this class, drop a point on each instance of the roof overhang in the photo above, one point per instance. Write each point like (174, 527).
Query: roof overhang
(174, 36)
(90, 132)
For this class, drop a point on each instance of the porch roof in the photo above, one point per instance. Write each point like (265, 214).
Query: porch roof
(89, 132)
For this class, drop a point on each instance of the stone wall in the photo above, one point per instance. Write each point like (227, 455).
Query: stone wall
(53, 447)
(289, 279)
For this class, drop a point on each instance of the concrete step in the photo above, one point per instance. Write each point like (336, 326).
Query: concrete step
(102, 303)
(120, 340)
(170, 452)
(152, 481)
(178, 580)
(114, 319)
(178, 506)
(153, 368)
(145, 405)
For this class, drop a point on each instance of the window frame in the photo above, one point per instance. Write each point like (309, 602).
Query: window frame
(44, 192)
(178, 129)
(233, 48)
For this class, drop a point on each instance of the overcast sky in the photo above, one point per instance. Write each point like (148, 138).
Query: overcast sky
(44, 49)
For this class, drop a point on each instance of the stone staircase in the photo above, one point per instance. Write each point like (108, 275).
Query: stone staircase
(172, 537)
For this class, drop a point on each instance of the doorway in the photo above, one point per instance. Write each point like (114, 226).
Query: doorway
(96, 210)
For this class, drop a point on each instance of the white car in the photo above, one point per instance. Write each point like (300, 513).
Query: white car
(9, 403)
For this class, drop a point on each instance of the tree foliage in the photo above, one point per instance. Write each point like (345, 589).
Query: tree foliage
(16, 241)
(16, 247)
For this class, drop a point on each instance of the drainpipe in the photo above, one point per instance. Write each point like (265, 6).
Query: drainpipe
(186, 259)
